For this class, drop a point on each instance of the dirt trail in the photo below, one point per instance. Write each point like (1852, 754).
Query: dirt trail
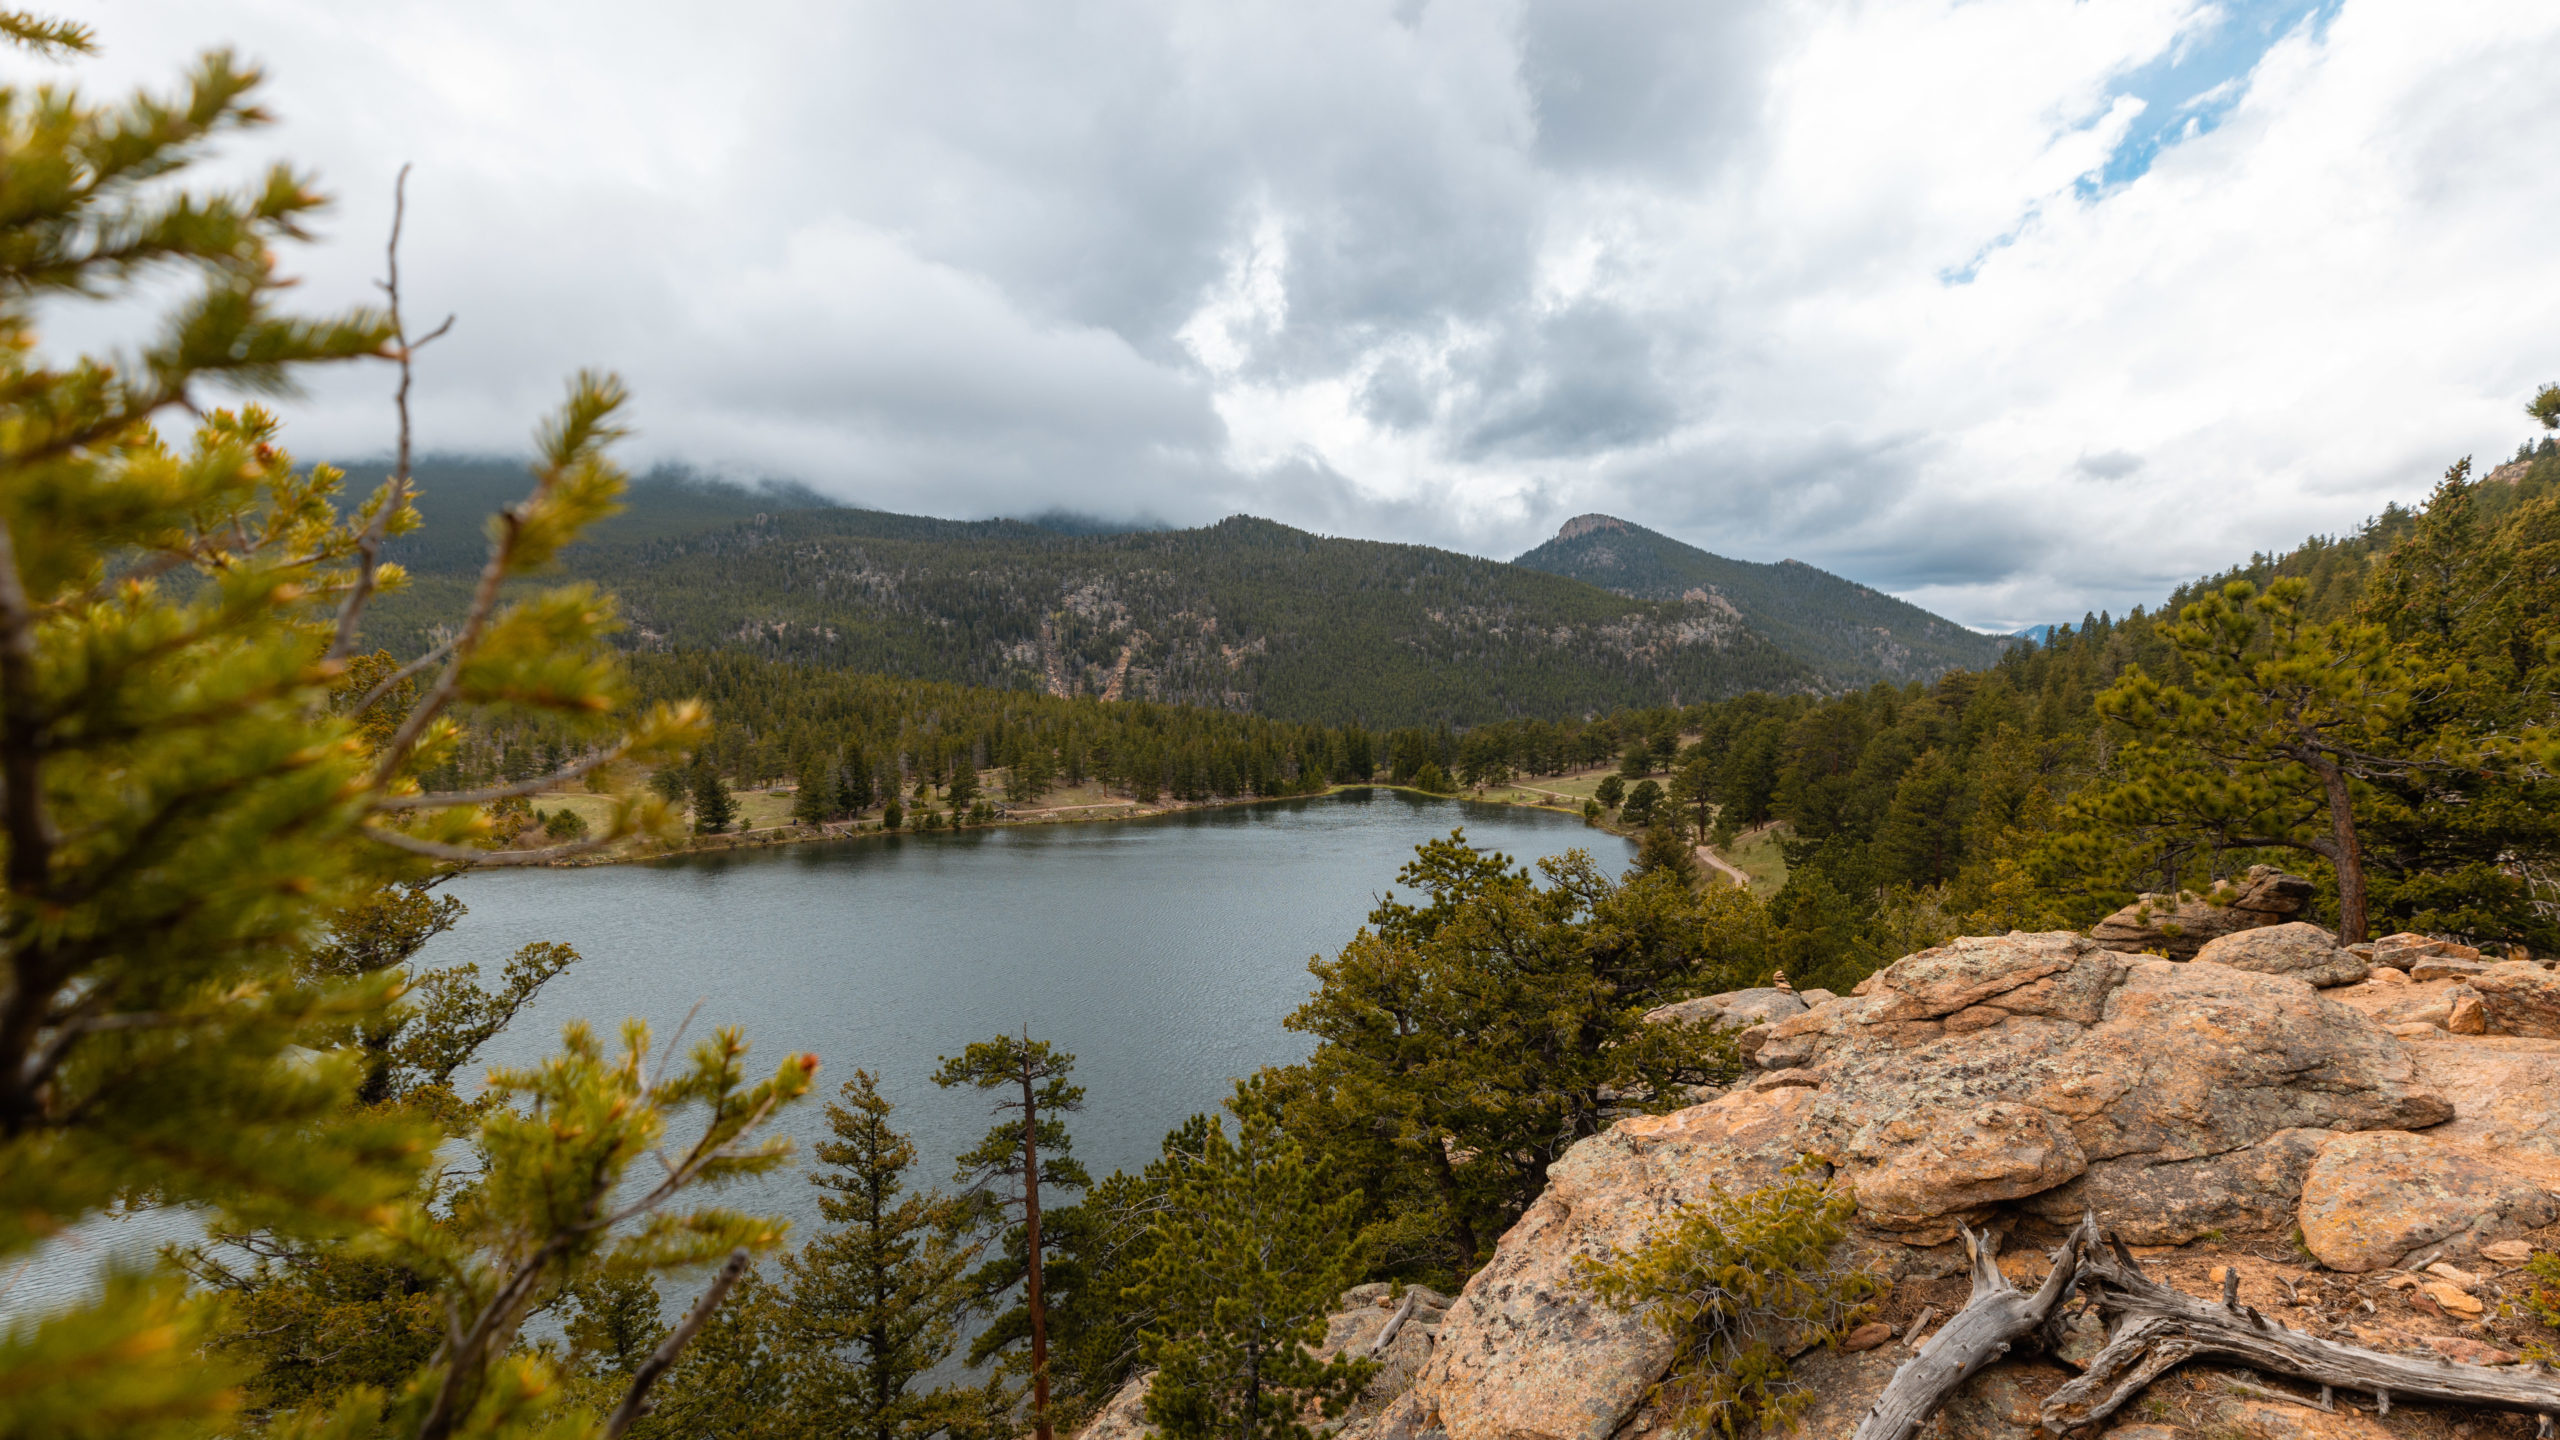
(1708, 856)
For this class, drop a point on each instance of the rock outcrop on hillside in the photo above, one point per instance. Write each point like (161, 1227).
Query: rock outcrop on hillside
(2017, 1080)
(2179, 925)
(2296, 948)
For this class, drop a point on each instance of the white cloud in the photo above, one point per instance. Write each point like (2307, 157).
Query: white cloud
(1886, 286)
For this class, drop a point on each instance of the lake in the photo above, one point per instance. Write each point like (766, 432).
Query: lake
(1163, 953)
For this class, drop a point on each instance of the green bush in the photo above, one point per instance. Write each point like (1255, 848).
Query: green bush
(1737, 1284)
(2543, 1296)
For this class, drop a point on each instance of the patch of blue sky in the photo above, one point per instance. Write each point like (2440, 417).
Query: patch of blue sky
(2185, 92)
(2188, 90)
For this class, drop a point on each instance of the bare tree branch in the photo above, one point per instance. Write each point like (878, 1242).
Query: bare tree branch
(635, 1401)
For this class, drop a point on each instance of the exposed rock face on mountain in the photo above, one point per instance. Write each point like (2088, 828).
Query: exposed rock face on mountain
(2017, 1080)
(2180, 925)
(1852, 635)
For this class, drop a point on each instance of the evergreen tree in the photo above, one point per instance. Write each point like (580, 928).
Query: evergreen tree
(1692, 791)
(1031, 774)
(736, 1379)
(817, 801)
(963, 789)
(672, 783)
(1667, 848)
(2269, 743)
(1640, 802)
(714, 810)
(1498, 1020)
(1922, 839)
(1611, 792)
(1005, 1173)
(1253, 1247)
(189, 798)
(875, 1301)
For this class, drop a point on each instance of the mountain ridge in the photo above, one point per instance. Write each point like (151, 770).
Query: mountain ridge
(1850, 633)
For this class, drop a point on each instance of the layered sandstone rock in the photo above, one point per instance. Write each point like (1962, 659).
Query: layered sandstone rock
(2045, 1068)
(2177, 926)
(2296, 948)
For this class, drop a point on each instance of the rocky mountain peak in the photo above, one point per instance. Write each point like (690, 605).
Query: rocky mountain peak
(1581, 525)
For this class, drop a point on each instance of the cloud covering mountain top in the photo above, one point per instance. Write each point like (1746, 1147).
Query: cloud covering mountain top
(2010, 307)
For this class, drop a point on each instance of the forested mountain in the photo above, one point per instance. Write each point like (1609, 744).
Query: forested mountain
(1243, 615)
(461, 491)
(1850, 635)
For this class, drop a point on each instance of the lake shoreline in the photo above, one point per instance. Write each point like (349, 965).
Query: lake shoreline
(786, 836)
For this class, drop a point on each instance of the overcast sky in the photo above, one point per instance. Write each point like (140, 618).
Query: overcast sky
(2014, 308)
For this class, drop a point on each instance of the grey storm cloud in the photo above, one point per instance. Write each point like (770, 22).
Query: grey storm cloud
(1851, 282)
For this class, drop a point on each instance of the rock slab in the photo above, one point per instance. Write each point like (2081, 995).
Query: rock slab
(2296, 948)
(2380, 1198)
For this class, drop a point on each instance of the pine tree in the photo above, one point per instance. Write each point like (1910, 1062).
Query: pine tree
(193, 790)
(2270, 741)
(714, 810)
(1666, 848)
(1253, 1248)
(1640, 802)
(1693, 792)
(817, 800)
(962, 791)
(875, 1302)
(1005, 1173)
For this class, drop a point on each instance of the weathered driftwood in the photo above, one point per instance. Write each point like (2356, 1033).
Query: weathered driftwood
(1386, 1335)
(1994, 1318)
(2155, 1328)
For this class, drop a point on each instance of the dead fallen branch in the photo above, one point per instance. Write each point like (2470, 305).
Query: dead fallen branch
(2154, 1328)
(1995, 1318)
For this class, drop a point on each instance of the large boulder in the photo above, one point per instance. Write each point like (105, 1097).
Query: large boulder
(2179, 925)
(1732, 1010)
(1525, 1354)
(2040, 1072)
(2518, 997)
(2385, 1198)
(2050, 1070)
(2505, 1093)
(2296, 948)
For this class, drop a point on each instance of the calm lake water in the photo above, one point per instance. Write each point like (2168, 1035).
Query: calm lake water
(1163, 953)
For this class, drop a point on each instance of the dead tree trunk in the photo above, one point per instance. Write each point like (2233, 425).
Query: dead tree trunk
(1994, 1319)
(2156, 1328)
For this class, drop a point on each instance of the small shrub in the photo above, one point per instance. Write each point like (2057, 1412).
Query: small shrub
(565, 824)
(1736, 1284)
(2542, 1288)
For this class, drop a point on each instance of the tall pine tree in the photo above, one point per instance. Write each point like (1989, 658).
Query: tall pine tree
(876, 1300)
(1254, 1246)
(1005, 1173)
